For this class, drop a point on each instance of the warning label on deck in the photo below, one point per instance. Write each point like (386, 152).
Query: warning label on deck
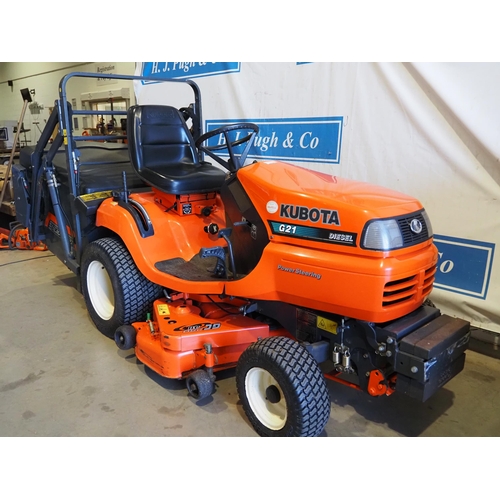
(163, 310)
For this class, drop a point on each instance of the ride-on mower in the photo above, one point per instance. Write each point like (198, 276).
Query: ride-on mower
(290, 275)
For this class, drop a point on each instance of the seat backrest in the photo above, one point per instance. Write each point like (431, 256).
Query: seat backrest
(158, 138)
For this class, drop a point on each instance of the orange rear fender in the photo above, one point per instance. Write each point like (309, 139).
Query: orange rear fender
(174, 236)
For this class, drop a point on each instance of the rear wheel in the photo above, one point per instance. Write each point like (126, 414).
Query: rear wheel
(282, 389)
(115, 291)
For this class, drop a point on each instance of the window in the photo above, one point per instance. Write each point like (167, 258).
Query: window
(109, 122)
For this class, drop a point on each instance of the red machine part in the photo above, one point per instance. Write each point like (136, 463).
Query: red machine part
(378, 385)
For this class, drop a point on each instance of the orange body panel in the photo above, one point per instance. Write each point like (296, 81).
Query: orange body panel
(341, 279)
(352, 287)
(344, 279)
(354, 202)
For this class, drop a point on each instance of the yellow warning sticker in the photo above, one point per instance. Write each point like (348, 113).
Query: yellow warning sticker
(163, 310)
(95, 196)
(326, 324)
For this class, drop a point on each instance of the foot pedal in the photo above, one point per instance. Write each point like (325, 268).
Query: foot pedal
(220, 269)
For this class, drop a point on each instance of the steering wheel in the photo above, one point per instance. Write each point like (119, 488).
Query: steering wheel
(235, 162)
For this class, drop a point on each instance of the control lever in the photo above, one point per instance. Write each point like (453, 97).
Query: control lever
(124, 193)
(226, 233)
(206, 252)
(220, 268)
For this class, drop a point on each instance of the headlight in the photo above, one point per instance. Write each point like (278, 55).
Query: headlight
(428, 224)
(382, 235)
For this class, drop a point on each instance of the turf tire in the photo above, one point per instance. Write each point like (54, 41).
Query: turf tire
(125, 296)
(282, 389)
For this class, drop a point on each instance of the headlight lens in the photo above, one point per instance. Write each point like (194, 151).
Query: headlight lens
(430, 232)
(383, 235)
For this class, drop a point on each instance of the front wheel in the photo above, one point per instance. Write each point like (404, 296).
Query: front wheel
(282, 389)
(116, 293)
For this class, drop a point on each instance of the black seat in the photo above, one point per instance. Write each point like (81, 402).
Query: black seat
(163, 153)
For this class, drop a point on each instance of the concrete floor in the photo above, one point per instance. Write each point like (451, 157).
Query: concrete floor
(60, 377)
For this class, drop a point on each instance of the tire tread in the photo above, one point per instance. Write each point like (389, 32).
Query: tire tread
(311, 398)
(138, 292)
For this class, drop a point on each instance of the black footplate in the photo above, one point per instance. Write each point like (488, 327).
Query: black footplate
(430, 356)
(207, 265)
(196, 269)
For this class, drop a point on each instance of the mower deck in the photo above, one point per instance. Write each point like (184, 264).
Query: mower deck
(175, 342)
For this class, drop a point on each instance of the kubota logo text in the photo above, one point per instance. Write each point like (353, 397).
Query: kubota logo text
(323, 215)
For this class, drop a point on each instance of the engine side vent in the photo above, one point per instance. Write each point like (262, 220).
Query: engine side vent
(429, 280)
(400, 290)
(406, 289)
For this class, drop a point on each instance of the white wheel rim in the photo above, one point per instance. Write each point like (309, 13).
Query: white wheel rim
(100, 290)
(272, 415)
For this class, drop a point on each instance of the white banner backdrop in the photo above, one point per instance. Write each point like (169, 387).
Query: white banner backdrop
(430, 130)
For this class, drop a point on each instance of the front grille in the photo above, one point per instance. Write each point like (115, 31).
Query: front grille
(428, 280)
(399, 290)
(406, 289)
(409, 237)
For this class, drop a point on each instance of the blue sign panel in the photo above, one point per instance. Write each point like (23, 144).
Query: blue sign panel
(302, 139)
(183, 70)
(464, 266)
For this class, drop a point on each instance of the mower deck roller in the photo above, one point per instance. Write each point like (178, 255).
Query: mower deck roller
(294, 277)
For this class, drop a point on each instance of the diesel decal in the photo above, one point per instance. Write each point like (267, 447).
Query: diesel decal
(323, 215)
(199, 327)
(296, 270)
(341, 237)
(314, 233)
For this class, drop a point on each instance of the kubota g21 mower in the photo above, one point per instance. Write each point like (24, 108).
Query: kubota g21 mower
(267, 267)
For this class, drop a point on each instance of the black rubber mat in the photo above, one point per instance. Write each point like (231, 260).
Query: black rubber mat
(197, 269)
